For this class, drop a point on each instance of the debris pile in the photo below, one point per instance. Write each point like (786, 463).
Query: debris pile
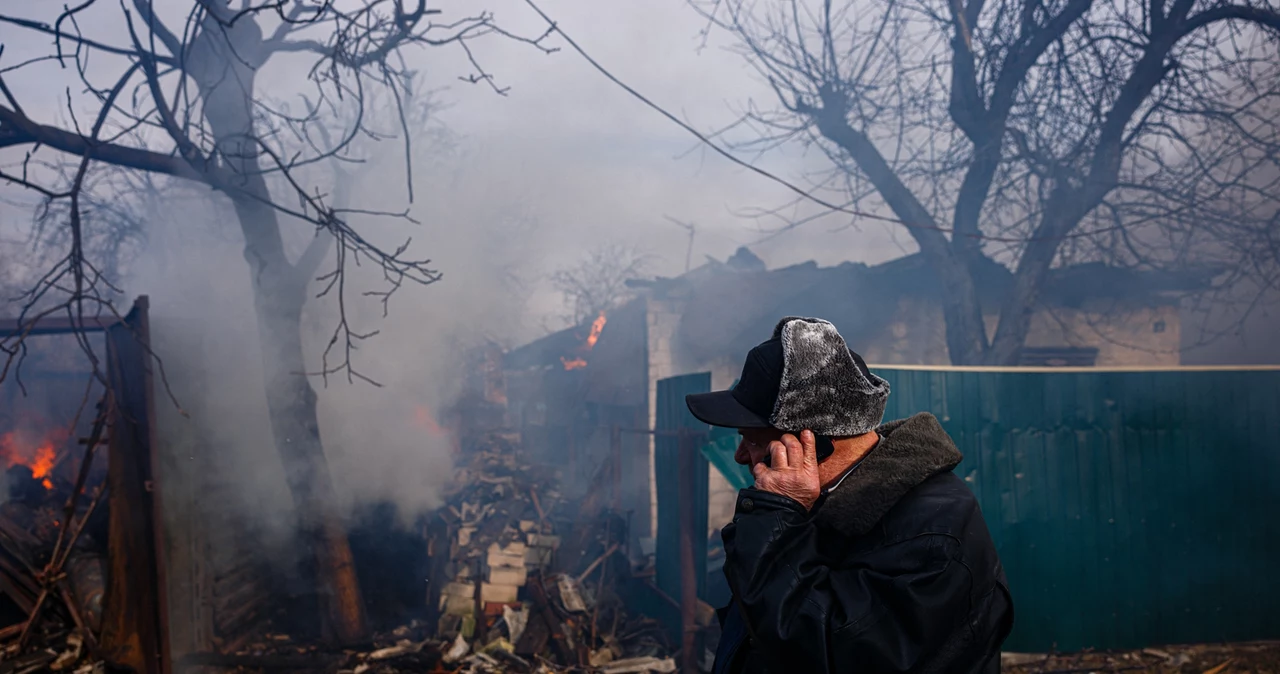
(533, 581)
(53, 566)
(1197, 659)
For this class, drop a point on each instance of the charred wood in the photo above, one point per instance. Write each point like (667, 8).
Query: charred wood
(231, 621)
(311, 662)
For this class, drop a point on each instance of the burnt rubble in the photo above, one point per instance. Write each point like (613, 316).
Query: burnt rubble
(53, 565)
(534, 581)
(522, 580)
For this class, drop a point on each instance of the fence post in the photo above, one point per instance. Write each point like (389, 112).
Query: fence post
(688, 567)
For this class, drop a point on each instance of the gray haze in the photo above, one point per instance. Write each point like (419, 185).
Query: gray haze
(565, 162)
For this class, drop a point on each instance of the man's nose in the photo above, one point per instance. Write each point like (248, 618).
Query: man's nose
(742, 456)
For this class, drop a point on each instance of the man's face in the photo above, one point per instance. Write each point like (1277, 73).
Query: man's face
(753, 445)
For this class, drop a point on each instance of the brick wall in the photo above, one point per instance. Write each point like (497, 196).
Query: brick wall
(662, 319)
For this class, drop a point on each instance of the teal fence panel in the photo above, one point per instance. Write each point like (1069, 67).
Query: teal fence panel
(673, 415)
(1130, 508)
(721, 445)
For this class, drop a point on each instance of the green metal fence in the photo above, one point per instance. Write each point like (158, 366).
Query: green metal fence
(1130, 508)
(673, 415)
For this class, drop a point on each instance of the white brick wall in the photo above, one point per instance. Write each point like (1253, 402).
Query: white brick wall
(662, 321)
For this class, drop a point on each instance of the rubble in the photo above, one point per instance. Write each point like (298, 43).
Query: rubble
(51, 568)
(523, 581)
(1259, 657)
(531, 579)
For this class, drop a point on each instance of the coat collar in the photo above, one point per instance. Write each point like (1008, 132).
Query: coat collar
(910, 451)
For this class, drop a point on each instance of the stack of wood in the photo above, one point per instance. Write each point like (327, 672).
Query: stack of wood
(531, 581)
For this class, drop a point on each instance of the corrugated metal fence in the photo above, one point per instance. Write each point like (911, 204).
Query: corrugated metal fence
(1131, 508)
(673, 416)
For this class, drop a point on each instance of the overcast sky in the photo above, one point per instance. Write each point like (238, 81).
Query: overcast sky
(573, 151)
(565, 162)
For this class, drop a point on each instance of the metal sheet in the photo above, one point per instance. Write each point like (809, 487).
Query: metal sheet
(1130, 508)
(673, 415)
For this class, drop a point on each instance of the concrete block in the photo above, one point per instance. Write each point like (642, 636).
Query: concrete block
(508, 575)
(499, 594)
(496, 559)
(544, 541)
(453, 605)
(539, 557)
(459, 590)
(512, 548)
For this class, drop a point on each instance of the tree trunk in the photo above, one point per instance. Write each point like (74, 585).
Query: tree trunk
(226, 80)
(291, 403)
(962, 311)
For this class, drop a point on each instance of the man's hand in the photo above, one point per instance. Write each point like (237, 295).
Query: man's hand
(792, 469)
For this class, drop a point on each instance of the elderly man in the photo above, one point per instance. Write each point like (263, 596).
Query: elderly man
(858, 549)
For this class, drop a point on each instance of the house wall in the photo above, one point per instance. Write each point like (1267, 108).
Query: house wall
(662, 319)
(722, 498)
(1135, 337)
(667, 359)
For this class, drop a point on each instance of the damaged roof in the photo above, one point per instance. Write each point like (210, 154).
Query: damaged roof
(728, 307)
(733, 305)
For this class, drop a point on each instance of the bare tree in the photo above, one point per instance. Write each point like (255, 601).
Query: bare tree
(1032, 132)
(183, 99)
(598, 284)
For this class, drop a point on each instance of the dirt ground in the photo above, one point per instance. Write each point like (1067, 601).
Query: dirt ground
(1253, 658)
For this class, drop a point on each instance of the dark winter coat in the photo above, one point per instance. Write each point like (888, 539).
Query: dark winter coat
(892, 571)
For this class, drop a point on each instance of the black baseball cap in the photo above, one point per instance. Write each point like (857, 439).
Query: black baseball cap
(749, 404)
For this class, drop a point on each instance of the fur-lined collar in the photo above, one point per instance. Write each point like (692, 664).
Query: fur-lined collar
(910, 451)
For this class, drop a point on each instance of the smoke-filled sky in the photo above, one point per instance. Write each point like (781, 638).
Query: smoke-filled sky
(565, 162)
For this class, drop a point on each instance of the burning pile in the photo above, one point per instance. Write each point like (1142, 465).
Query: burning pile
(37, 456)
(532, 581)
(52, 553)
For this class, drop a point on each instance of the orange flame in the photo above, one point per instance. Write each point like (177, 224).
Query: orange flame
(573, 364)
(597, 326)
(423, 419)
(41, 460)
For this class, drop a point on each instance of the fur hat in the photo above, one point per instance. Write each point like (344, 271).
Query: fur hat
(804, 377)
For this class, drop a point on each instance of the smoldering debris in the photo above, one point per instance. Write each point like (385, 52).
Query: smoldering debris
(532, 579)
(1197, 659)
(522, 580)
(53, 564)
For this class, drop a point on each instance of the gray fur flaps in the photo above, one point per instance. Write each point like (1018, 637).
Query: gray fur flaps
(823, 389)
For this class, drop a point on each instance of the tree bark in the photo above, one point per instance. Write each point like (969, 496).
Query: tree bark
(962, 312)
(226, 81)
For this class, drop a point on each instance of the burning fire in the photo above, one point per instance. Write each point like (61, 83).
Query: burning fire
(423, 419)
(40, 459)
(573, 364)
(597, 326)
